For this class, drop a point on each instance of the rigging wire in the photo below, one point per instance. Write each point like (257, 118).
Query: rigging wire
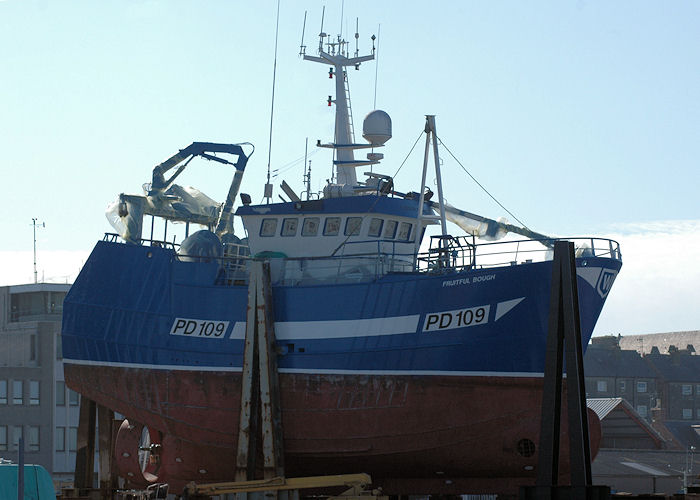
(409, 154)
(272, 106)
(292, 163)
(480, 185)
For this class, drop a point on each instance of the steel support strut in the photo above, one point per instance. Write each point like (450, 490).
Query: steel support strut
(564, 343)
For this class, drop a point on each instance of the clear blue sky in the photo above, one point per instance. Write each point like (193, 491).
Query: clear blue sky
(581, 117)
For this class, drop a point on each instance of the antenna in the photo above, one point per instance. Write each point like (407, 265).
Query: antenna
(357, 37)
(302, 47)
(321, 35)
(375, 51)
(34, 223)
(268, 186)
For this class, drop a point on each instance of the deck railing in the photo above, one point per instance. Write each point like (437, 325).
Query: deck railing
(353, 263)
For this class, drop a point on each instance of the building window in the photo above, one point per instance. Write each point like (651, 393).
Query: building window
(33, 392)
(687, 389)
(268, 227)
(642, 410)
(310, 226)
(72, 438)
(332, 226)
(623, 386)
(404, 231)
(17, 392)
(59, 347)
(390, 229)
(375, 227)
(602, 386)
(16, 435)
(687, 413)
(73, 398)
(3, 438)
(33, 438)
(289, 227)
(32, 348)
(641, 387)
(3, 392)
(60, 393)
(60, 437)
(352, 226)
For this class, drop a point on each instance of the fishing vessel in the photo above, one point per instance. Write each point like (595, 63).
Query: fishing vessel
(418, 359)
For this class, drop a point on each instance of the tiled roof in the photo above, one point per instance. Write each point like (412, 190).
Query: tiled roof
(644, 343)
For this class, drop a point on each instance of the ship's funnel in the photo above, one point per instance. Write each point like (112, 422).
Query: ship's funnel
(376, 127)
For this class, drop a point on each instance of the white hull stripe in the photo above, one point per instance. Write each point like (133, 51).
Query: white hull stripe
(334, 329)
(306, 371)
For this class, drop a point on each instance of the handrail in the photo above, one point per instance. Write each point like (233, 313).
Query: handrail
(446, 254)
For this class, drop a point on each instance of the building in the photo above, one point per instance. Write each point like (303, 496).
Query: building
(34, 400)
(612, 372)
(622, 427)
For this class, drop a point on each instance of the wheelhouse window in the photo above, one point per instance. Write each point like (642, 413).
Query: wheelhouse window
(310, 226)
(641, 387)
(375, 227)
(404, 231)
(289, 227)
(352, 226)
(332, 227)
(3, 392)
(268, 227)
(390, 229)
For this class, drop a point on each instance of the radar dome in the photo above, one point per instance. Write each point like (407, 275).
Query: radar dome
(377, 127)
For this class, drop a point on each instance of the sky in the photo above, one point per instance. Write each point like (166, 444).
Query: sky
(582, 118)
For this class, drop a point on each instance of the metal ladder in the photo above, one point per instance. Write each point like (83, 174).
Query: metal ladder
(347, 93)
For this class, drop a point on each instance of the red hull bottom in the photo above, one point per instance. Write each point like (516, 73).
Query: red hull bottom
(412, 434)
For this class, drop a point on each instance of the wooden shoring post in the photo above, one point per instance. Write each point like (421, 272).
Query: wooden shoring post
(105, 444)
(247, 426)
(260, 398)
(85, 450)
(269, 380)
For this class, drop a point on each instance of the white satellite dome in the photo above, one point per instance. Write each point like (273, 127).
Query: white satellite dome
(376, 127)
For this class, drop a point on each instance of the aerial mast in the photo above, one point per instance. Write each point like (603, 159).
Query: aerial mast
(335, 53)
(35, 224)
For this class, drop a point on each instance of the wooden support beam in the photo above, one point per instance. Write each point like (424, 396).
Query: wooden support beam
(105, 445)
(260, 398)
(85, 452)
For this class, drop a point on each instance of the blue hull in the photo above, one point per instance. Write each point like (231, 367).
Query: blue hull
(142, 307)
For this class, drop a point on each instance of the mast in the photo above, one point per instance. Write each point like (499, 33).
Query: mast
(336, 55)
